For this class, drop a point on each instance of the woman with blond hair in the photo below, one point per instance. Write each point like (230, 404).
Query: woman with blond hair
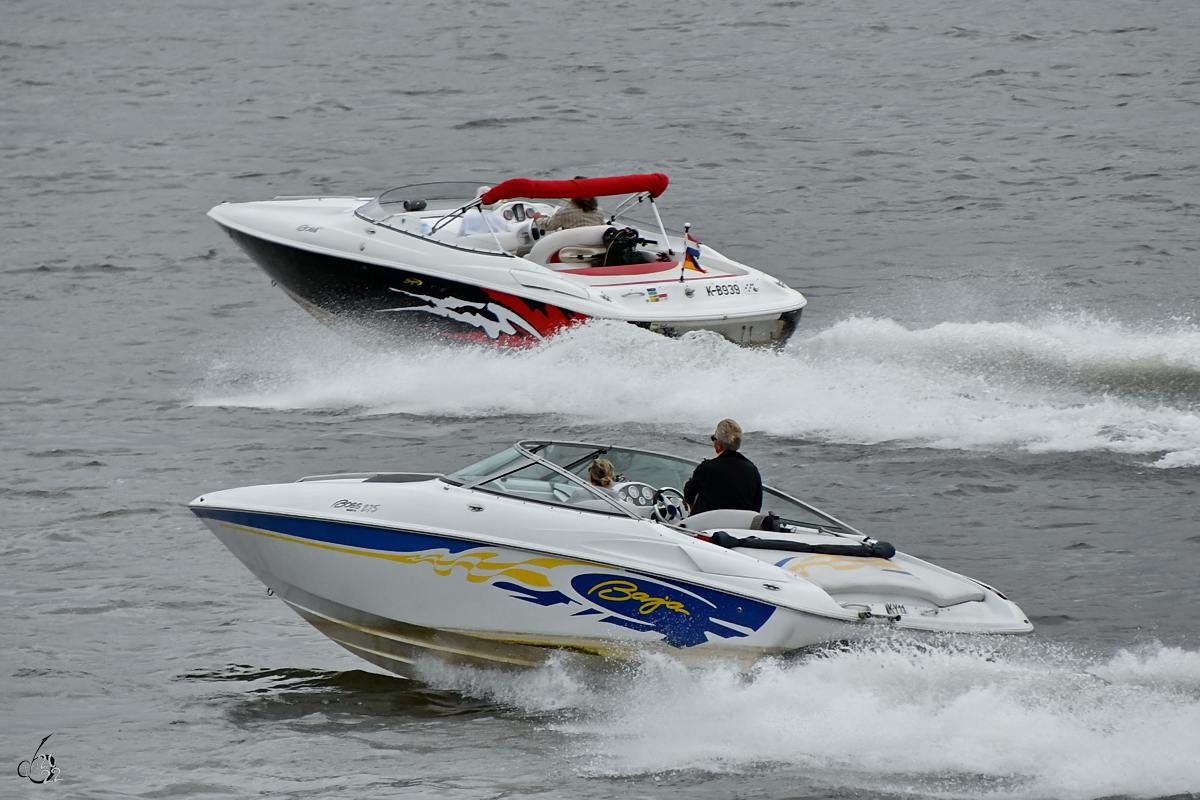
(603, 476)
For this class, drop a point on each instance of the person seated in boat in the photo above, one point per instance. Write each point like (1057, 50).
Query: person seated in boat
(603, 477)
(577, 213)
(728, 481)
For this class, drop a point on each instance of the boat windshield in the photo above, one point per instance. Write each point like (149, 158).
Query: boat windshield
(544, 484)
(504, 461)
(792, 510)
(533, 470)
(660, 470)
(449, 214)
(576, 458)
(444, 194)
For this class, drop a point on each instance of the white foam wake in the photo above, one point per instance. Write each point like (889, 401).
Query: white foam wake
(1064, 385)
(957, 720)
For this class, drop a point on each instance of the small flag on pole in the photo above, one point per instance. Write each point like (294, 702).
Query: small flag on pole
(691, 256)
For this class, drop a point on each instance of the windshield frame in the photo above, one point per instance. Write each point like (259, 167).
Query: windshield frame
(376, 211)
(531, 457)
(532, 451)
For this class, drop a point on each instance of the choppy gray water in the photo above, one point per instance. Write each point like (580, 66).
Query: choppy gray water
(991, 206)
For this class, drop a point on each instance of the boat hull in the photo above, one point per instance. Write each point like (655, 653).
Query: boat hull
(403, 302)
(395, 597)
(407, 302)
(516, 557)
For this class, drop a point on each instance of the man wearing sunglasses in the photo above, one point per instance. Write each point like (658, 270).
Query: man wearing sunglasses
(728, 481)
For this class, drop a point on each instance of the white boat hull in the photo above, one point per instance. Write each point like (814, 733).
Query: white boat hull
(544, 579)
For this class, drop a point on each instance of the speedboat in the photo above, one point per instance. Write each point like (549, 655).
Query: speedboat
(518, 556)
(469, 261)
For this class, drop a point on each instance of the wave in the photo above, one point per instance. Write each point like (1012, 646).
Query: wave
(1010, 719)
(1066, 384)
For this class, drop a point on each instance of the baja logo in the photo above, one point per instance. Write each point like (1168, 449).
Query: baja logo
(684, 616)
(620, 591)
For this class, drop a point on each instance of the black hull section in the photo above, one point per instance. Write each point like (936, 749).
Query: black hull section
(400, 302)
(404, 303)
(791, 321)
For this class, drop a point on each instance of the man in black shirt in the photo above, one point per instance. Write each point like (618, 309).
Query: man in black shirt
(728, 481)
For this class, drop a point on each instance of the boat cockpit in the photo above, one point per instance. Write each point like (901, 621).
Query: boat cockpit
(649, 484)
(454, 214)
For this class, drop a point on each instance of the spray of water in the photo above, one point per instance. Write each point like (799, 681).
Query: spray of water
(959, 718)
(1063, 385)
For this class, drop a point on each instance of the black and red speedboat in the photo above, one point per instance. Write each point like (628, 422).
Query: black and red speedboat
(469, 261)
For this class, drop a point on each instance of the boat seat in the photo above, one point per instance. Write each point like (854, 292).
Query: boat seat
(736, 518)
(589, 236)
(574, 255)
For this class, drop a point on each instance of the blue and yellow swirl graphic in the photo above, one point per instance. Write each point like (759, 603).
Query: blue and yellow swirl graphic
(683, 613)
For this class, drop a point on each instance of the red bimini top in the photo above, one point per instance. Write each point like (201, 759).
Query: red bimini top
(654, 183)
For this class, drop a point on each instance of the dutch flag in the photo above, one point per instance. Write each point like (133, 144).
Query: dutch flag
(691, 256)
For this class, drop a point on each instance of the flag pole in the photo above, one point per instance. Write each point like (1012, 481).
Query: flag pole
(687, 227)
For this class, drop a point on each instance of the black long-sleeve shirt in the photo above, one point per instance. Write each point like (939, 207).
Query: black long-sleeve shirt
(728, 481)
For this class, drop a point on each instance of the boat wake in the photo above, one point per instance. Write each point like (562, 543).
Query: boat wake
(995, 719)
(1065, 384)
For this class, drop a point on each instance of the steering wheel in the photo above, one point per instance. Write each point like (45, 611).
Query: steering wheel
(668, 505)
(636, 493)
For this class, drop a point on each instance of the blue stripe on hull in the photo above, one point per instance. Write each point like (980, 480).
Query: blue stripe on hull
(682, 612)
(346, 534)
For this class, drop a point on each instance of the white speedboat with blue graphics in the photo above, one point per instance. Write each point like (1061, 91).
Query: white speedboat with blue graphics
(469, 262)
(512, 558)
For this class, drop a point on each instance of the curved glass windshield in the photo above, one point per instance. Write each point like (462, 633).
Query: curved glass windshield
(459, 192)
(447, 213)
(656, 470)
(503, 461)
(543, 484)
(576, 458)
(511, 472)
(797, 513)
(660, 470)
(412, 201)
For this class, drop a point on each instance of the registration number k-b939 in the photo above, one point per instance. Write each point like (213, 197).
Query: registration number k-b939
(726, 289)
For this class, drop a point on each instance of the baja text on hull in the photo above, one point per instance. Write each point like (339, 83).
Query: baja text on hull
(517, 556)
